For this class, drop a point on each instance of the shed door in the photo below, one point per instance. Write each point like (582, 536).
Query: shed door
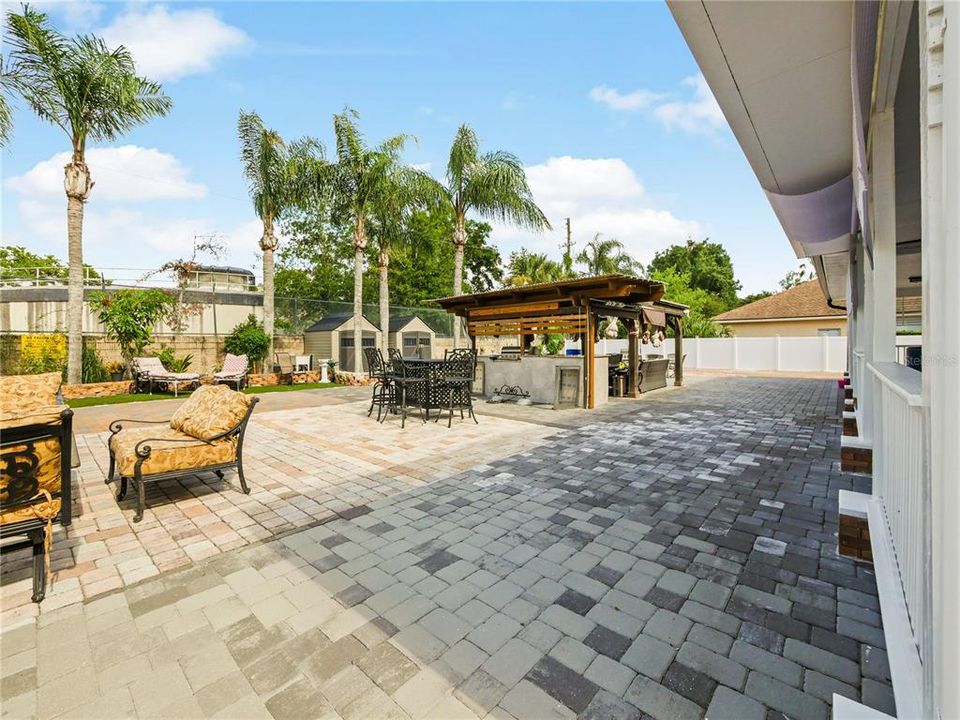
(347, 348)
(412, 341)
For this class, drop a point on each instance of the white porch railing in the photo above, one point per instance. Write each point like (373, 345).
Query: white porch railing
(901, 486)
(856, 371)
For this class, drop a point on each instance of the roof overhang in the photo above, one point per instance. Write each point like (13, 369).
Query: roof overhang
(781, 73)
(574, 292)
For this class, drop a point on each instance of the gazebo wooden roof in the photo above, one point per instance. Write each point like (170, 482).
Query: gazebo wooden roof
(569, 307)
(570, 293)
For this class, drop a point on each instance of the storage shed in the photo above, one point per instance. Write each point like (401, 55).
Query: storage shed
(332, 337)
(412, 336)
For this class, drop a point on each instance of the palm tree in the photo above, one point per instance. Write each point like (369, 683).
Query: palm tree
(273, 170)
(494, 185)
(404, 190)
(527, 268)
(91, 93)
(360, 178)
(605, 257)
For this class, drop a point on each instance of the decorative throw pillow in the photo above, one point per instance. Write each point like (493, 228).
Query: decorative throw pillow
(209, 411)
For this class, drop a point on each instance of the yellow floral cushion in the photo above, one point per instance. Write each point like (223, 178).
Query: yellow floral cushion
(25, 469)
(211, 410)
(166, 453)
(22, 394)
(48, 415)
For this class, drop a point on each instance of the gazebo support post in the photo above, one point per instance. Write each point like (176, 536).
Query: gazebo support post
(678, 351)
(633, 357)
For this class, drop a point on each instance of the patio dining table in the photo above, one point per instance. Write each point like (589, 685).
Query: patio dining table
(428, 395)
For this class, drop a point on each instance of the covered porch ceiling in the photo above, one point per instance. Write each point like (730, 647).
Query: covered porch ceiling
(780, 72)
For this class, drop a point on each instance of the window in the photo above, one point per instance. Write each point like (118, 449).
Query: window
(828, 332)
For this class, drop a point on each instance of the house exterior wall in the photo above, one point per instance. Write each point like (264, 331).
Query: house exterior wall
(786, 328)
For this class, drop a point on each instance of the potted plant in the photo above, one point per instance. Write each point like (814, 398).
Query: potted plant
(116, 369)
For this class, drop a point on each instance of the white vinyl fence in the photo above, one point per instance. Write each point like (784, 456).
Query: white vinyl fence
(791, 354)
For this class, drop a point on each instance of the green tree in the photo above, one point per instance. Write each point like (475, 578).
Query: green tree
(703, 304)
(706, 264)
(250, 339)
(605, 257)
(526, 268)
(492, 184)
(129, 315)
(404, 190)
(360, 178)
(18, 263)
(91, 93)
(753, 297)
(421, 268)
(795, 277)
(274, 176)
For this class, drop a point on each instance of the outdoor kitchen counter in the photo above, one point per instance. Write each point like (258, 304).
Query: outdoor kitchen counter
(540, 375)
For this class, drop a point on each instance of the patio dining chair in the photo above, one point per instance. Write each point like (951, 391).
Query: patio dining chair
(402, 382)
(456, 382)
(234, 371)
(383, 387)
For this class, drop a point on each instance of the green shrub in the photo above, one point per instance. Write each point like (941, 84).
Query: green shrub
(248, 338)
(173, 363)
(92, 369)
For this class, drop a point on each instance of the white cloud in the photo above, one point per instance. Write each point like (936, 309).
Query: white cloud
(79, 14)
(170, 44)
(598, 195)
(701, 114)
(698, 113)
(615, 100)
(123, 173)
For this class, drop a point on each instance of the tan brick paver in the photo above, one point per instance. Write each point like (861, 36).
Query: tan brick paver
(304, 465)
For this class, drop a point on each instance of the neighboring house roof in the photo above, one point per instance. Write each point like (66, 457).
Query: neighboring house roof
(332, 322)
(805, 300)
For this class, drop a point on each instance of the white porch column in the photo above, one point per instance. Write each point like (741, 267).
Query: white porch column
(940, 183)
(884, 336)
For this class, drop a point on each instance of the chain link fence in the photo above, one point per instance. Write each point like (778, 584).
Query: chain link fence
(296, 315)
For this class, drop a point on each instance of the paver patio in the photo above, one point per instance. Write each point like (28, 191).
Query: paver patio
(674, 558)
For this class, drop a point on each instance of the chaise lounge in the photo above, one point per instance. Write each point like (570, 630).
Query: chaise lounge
(149, 371)
(204, 434)
(234, 371)
(35, 453)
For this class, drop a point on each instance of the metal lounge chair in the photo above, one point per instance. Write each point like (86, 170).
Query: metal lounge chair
(234, 371)
(149, 371)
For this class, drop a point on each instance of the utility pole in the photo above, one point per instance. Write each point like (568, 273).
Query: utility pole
(568, 248)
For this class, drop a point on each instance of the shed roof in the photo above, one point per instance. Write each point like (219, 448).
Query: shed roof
(801, 301)
(334, 321)
(398, 323)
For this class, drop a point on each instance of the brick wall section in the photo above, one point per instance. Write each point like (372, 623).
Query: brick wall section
(854, 538)
(850, 426)
(856, 460)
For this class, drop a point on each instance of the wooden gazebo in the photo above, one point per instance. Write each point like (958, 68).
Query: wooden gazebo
(573, 307)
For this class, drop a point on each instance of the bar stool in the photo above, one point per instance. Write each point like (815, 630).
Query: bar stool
(383, 387)
(401, 381)
(457, 381)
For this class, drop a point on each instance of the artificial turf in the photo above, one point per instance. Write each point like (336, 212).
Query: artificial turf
(142, 397)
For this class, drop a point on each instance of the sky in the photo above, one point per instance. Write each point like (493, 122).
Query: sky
(603, 103)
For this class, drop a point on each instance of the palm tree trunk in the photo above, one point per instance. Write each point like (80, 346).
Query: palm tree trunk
(459, 241)
(268, 244)
(77, 185)
(384, 299)
(359, 246)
